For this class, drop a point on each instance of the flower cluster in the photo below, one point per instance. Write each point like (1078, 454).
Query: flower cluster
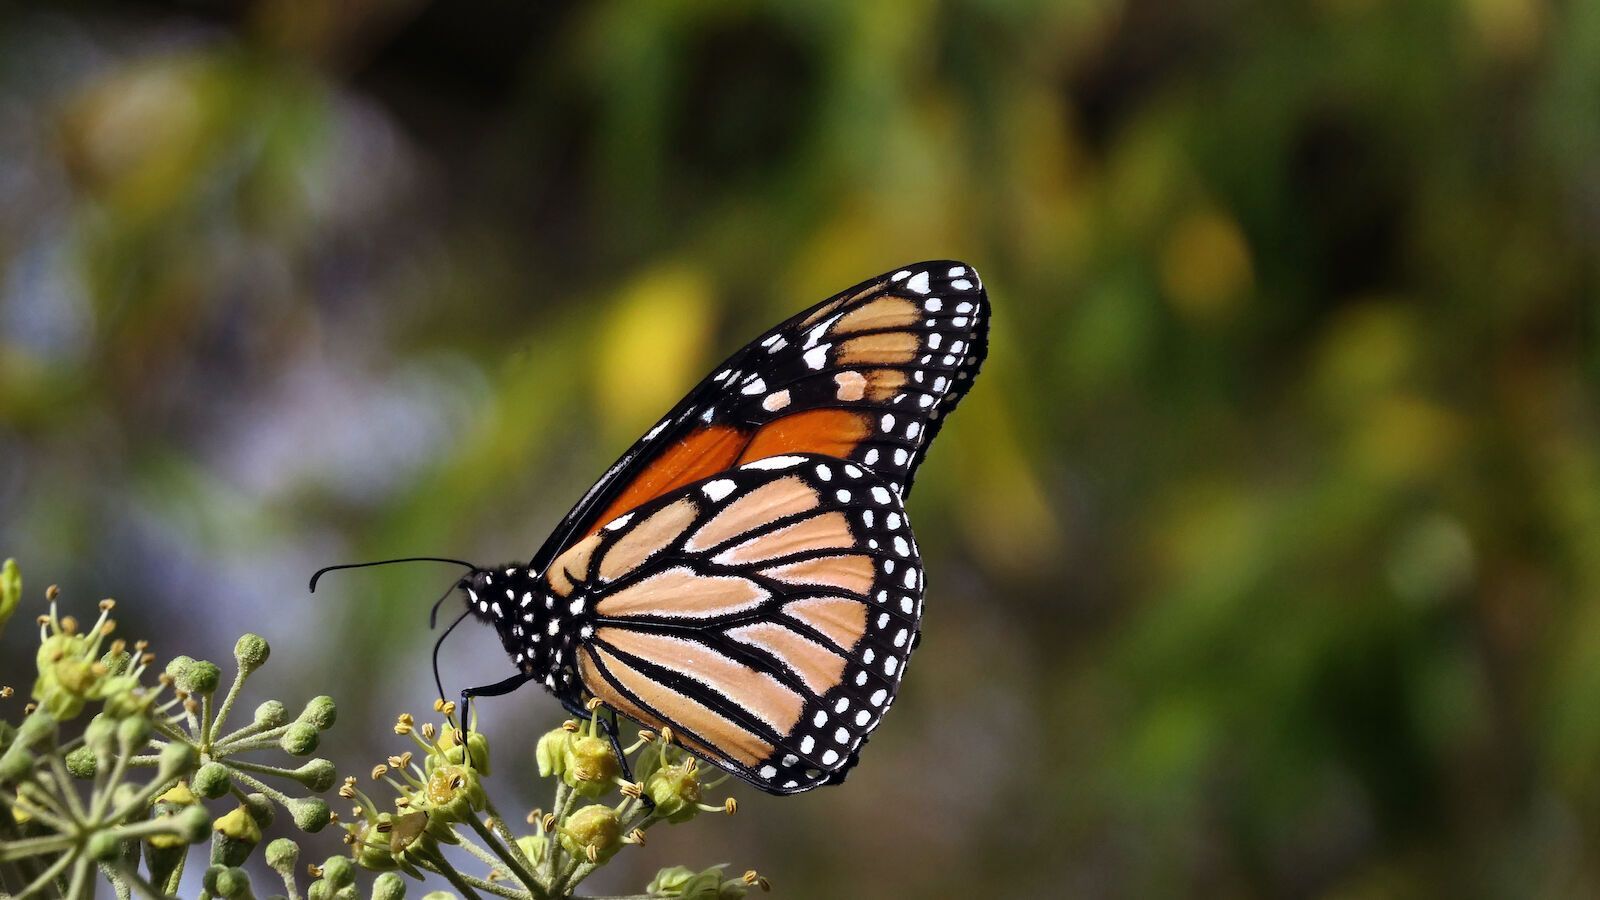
(119, 769)
(439, 802)
(108, 771)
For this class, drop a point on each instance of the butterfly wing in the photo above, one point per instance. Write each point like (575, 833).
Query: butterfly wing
(867, 375)
(765, 614)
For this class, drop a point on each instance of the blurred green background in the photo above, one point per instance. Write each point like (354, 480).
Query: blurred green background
(1264, 559)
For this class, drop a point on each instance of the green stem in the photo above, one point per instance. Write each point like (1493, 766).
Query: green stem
(204, 734)
(261, 768)
(47, 877)
(272, 793)
(102, 797)
(441, 866)
(227, 704)
(266, 740)
(511, 862)
(82, 886)
(552, 863)
(48, 843)
(63, 785)
(254, 728)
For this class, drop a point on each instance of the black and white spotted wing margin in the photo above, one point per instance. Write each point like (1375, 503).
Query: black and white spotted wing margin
(765, 614)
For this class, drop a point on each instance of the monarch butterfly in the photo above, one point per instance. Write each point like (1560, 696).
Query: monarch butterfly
(745, 573)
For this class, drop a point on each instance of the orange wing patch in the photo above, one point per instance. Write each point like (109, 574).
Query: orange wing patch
(702, 452)
(884, 313)
(830, 432)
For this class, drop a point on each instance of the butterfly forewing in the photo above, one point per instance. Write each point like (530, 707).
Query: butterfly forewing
(765, 614)
(867, 376)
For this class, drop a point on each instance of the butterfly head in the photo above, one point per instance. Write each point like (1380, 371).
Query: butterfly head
(536, 628)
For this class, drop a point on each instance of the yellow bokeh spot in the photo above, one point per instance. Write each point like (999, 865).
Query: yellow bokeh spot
(1404, 438)
(1205, 267)
(651, 348)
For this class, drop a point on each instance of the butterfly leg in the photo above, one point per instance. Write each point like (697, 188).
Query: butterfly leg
(499, 688)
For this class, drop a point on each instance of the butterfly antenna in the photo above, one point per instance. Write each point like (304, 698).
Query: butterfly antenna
(384, 562)
(437, 645)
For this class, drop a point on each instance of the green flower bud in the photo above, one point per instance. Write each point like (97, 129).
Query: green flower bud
(453, 793)
(194, 822)
(320, 713)
(78, 676)
(684, 884)
(475, 754)
(317, 775)
(309, 813)
(103, 846)
(388, 886)
(100, 736)
(58, 701)
(116, 661)
(271, 714)
(593, 833)
(676, 791)
(211, 781)
(132, 732)
(551, 753)
(250, 653)
(592, 767)
(81, 762)
(233, 884)
(178, 668)
(299, 740)
(16, 764)
(371, 848)
(260, 808)
(199, 677)
(338, 872)
(439, 895)
(176, 758)
(237, 834)
(124, 698)
(319, 890)
(10, 591)
(282, 854)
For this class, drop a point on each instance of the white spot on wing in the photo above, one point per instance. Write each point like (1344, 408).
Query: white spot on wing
(774, 462)
(919, 283)
(718, 489)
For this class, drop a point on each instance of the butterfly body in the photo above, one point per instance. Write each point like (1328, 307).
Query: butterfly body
(746, 574)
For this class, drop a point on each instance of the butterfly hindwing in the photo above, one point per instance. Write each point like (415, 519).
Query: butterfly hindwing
(764, 614)
(867, 375)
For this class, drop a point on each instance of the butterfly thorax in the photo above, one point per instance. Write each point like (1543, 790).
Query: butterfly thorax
(539, 630)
